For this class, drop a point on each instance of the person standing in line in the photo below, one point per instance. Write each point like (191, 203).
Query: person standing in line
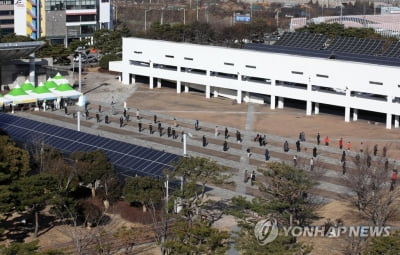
(216, 131)
(361, 147)
(386, 164)
(286, 146)
(137, 114)
(226, 133)
(204, 141)
(253, 177)
(341, 143)
(393, 179)
(97, 117)
(125, 113)
(344, 167)
(326, 140)
(99, 108)
(155, 119)
(196, 125)
(175, 124)
(160, 128)
(106, 119)
(121, 121)
(151, 129)
(65, 110)
(384, 151)
(348, 145)
(267, 156)
(248, 152)
(140, 126)
(294, 160)
(264, 140)
(225, 146)
(314, 152)
(173, 133)
(343, 156)
(87, 114)
(125, 107)
(369, 161)
(311, 164)
(318, 138)
(246, 176)
(260, 141)
(182, 134)
(375, 149)
(169, 131)
(298, 145)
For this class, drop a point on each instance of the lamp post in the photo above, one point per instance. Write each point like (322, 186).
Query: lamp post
(79, 50)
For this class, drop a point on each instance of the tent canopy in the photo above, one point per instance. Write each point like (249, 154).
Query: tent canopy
(50, 84)
(27, 86)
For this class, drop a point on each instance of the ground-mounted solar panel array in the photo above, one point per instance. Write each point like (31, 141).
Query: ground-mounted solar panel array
(365, 50)
(128, 159)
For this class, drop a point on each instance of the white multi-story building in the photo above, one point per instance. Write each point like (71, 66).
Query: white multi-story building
(260, 76)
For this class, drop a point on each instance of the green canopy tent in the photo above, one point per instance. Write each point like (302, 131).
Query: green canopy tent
(27, 86)
(59, 79)
(43, 93)
(18, 96)
(66, 91)
(50, 84)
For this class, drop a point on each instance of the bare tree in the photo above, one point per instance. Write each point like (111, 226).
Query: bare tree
(369, 178)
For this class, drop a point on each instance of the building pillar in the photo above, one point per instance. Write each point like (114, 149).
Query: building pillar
(389, 114)
(280, 102)
(316, 108)
(347, 108)
(32, 74)
(208, 91)
(186, 89)
(178, 87)
(355, 114)
(347, 114)
(273, 102)
(396, 121)
(309, 108)
(215, 92)
(125, 78)
(151, 82)
(388, 120)
(158, 83)
(239, 97)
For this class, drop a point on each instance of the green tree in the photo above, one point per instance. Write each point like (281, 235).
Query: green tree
(196, 238)
(31, 248)
(388, 245)
(105, 60)
(145, 190)
(93, 166)
(34, 192)
(284, 198)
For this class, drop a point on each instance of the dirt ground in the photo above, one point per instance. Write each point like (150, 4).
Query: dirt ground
(287, 122)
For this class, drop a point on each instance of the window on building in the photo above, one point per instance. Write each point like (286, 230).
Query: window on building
(297, 72)
(375, 83)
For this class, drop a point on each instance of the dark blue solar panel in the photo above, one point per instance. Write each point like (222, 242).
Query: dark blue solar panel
(129, 159)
